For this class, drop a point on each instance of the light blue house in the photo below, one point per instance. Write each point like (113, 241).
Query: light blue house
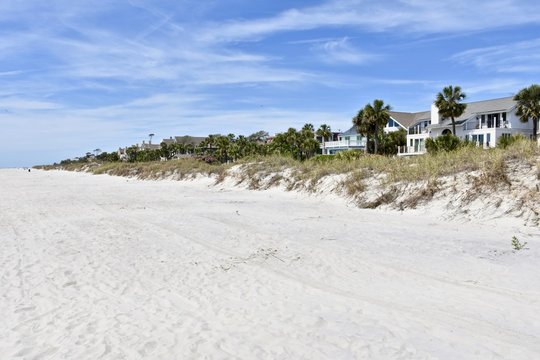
(352, 140)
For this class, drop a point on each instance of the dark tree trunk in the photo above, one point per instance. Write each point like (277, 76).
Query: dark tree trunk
(376, 140)
(453, 126)
(367, 143)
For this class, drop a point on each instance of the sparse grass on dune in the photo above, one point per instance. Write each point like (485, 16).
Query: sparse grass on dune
(398, 169)
(181, 169)
(306, 175)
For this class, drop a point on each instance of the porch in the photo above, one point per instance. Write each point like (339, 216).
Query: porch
(331, 147)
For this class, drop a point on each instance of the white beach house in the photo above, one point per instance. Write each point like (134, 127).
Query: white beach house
(351, 140)
(483, 123)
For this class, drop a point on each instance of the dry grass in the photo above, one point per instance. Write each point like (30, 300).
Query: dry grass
(423, 195)
(267, 171)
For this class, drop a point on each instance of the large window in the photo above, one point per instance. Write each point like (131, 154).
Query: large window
(496, 120)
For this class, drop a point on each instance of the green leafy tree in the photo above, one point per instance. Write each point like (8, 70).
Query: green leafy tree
(325, 132)
(390, 142)
(528, 106)
(377, 115)
(449, 104)
(363, 127)
(308, 127)
(131, 153)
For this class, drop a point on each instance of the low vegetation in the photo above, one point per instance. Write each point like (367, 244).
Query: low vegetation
(394, 169)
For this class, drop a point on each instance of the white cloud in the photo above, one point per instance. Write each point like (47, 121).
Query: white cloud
(424, 16)
(340, 51)
(519, 57)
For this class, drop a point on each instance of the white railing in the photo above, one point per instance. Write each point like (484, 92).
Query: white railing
(411, 150)
(343, 144)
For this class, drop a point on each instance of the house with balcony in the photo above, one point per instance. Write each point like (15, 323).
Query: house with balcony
(483, 123)
(348, 140)
(352, 140)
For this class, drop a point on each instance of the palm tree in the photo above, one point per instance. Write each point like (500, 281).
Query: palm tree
(528, 106)
(325, 132)
(376, 115)
(448, 103)
(308, 127)
(150, 136)
(362, 127)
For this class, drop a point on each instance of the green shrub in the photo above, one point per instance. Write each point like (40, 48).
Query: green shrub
(349, 155)
(506, 141)
(442, 143)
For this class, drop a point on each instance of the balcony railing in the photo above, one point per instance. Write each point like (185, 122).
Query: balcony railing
(417, 131)
(343, 144)
(411, 150)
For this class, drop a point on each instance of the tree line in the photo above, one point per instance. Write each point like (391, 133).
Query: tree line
(369, 122)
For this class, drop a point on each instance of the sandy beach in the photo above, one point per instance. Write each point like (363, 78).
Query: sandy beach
(102, 267)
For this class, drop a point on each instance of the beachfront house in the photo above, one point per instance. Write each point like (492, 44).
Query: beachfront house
(352, 140)
(348, 140)
(483, 123)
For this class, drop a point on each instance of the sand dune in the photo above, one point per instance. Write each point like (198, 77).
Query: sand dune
(114, 268)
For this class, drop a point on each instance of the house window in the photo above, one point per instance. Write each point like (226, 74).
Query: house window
(392, 123)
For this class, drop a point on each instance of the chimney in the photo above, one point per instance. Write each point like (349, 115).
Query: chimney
(435, 117)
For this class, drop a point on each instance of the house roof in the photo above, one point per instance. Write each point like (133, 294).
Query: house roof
(186, 139)
(477, 107)
(351, 131)
(168, 141)
(487, 106)
(409, 119)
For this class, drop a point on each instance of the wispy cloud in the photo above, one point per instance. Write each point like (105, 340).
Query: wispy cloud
(520, 57)
(424, 16)
(340, 51)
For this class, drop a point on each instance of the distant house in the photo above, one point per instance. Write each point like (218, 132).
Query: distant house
(348, 140)
(352, 140)
(483, 123)
(149, 146)
(185, 140)
(189, 140)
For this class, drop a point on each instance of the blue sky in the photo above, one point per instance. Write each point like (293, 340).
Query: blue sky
(78, 75)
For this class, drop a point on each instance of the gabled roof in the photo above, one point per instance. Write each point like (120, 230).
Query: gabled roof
(473, 108)
(409, 119)
(351, 131)
(193, 140)
(486, 106)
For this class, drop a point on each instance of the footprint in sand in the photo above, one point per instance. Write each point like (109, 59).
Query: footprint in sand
(27, 308)
(148, 348)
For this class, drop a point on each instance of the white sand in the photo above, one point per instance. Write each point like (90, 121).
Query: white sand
(106, 267)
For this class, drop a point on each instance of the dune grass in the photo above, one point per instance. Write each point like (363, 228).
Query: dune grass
(491, 164)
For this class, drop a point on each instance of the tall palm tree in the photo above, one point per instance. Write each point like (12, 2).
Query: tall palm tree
(308, 127)
(325, 132)
(363, 127)
(528, 106)
(449, 104)
(150, 136)
(376, 115)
